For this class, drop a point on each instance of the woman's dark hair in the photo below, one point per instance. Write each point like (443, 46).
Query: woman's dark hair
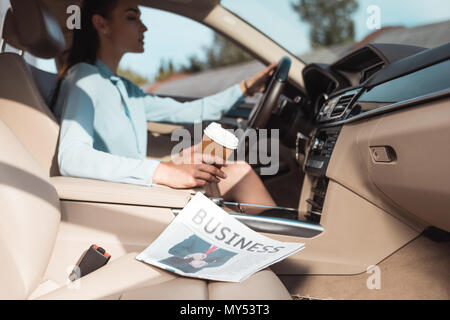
(85, 43)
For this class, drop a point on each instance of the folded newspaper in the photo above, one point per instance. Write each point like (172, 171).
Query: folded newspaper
(205, 242)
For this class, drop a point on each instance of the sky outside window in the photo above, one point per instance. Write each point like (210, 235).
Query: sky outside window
(278, 20)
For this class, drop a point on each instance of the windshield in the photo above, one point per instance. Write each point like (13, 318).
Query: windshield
(324, 30)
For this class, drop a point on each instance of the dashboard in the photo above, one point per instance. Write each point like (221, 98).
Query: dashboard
(368, 79)
(372, 81)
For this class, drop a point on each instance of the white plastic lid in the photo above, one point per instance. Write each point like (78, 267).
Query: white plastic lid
(221, 136)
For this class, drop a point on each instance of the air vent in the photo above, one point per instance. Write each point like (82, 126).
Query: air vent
(341, 105)
(367, 73)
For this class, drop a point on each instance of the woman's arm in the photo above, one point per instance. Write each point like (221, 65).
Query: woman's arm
(77, 156)
(208, 108)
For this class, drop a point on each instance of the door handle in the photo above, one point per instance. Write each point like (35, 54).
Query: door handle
(383, 154)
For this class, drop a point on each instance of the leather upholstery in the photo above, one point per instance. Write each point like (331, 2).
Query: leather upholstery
(26, 113)
(41, 35)
(79, 189)
(176, 289)
(263, 285)
(29, 219)
(112, 280)
(140, 281)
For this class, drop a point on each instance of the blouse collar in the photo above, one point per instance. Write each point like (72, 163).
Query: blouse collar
(104, 70)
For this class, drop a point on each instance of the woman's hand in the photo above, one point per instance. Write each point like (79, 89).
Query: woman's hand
(190, 169)
(258, 82)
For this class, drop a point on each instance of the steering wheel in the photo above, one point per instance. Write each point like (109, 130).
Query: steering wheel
(260, 115)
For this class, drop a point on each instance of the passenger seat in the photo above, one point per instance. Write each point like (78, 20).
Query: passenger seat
(31, 28)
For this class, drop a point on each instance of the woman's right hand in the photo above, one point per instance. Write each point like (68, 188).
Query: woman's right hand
(197, 173)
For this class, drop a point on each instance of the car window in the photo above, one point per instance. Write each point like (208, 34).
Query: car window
(185, 58)
(48, 65)
(323, 30)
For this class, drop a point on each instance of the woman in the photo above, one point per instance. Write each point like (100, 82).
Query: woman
(104, 130)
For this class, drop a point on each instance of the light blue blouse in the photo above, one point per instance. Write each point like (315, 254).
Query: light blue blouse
(104, 123)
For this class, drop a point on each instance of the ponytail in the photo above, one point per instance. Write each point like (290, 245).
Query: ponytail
(85, 43)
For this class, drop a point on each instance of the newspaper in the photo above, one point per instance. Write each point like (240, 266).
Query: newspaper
(205, 242)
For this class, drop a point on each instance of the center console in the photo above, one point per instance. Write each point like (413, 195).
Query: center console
(319, 153)
(320, 150)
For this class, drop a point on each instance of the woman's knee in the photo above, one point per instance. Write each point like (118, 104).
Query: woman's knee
(242, 168)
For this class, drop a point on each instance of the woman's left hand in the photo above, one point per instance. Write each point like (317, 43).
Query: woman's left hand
(258, 82)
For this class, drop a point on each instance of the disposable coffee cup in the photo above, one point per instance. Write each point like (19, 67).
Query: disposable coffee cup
(218, 142)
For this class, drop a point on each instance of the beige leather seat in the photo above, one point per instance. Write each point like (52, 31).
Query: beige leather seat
(22, 107)
(30, 208)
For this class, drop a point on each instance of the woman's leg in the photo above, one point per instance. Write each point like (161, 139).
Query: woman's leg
(244, 185)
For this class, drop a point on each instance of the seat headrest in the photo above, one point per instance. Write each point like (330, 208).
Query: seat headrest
(9, 32)
(32, 27)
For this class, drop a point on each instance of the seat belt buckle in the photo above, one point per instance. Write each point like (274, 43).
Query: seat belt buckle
(94, 258)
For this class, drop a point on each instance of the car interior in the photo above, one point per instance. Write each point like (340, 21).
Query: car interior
(364, 159)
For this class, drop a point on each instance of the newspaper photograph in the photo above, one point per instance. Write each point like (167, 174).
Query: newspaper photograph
(205, 242)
